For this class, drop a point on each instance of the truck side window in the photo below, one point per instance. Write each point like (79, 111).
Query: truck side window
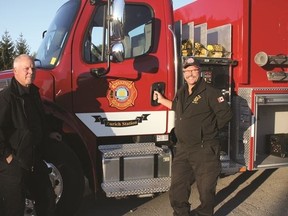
(137, 29)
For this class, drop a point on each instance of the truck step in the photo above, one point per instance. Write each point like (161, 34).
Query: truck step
(133, 149)
(136, 187)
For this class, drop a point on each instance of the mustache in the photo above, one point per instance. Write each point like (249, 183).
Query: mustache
(193, 76)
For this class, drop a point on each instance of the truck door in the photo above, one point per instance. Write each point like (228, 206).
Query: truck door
(118, 103)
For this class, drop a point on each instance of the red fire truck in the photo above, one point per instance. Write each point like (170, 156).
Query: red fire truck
(100, 61)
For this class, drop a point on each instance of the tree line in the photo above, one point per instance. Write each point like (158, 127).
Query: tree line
(9, 50)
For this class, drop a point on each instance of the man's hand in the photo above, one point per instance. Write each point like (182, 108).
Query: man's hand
(157, 96)
(56, 136)
(161, 99)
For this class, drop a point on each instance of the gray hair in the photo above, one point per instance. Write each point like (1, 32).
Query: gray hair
(20, 57)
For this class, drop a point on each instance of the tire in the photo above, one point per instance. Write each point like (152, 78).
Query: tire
(69, 186)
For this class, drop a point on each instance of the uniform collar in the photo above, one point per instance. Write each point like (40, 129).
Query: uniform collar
(20, 90)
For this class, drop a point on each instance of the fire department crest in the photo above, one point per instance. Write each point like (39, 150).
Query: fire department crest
(121, 94)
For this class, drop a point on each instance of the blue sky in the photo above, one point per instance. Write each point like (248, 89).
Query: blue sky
(32, 17)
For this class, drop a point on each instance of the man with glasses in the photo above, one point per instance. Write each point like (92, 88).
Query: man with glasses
(200, 112)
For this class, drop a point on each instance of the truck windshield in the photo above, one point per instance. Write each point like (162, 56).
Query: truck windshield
(54, 40)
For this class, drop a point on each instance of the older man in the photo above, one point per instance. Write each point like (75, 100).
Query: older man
(22, 137)
(200, 111)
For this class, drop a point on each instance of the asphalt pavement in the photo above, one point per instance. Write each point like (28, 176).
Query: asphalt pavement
(252, 193)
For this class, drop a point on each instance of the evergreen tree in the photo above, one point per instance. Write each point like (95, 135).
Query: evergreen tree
(7, 51)
(1, 61)
(21, 46)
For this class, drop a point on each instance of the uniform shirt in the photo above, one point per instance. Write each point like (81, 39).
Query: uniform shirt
(34, 120)
(199, 116)
(32, 112)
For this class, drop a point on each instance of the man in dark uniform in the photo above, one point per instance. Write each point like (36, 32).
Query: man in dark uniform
(22, 138)
(200, 111)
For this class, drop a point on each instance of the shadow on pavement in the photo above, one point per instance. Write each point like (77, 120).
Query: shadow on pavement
(241, 195)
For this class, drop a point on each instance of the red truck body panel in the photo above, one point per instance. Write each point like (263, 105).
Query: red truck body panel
(257, 26)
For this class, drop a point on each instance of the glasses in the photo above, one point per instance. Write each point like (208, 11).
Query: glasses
(190, 71)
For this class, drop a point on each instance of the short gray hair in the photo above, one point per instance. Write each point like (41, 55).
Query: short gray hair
(18, 58)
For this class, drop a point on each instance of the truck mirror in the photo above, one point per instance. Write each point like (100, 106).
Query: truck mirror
(117, 51)
(115, 11)
(117, 24)
(43, 33)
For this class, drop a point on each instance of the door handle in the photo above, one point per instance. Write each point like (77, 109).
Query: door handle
(160, 87)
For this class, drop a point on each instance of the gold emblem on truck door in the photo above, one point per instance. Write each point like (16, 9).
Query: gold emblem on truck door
(121, 94)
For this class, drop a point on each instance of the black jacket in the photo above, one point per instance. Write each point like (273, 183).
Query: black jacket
(16, 135)
(199, 116)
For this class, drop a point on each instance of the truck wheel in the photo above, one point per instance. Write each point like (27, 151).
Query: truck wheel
(66, 177)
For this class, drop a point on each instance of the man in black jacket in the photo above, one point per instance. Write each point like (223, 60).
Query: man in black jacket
(22, 144)
(200, 111)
